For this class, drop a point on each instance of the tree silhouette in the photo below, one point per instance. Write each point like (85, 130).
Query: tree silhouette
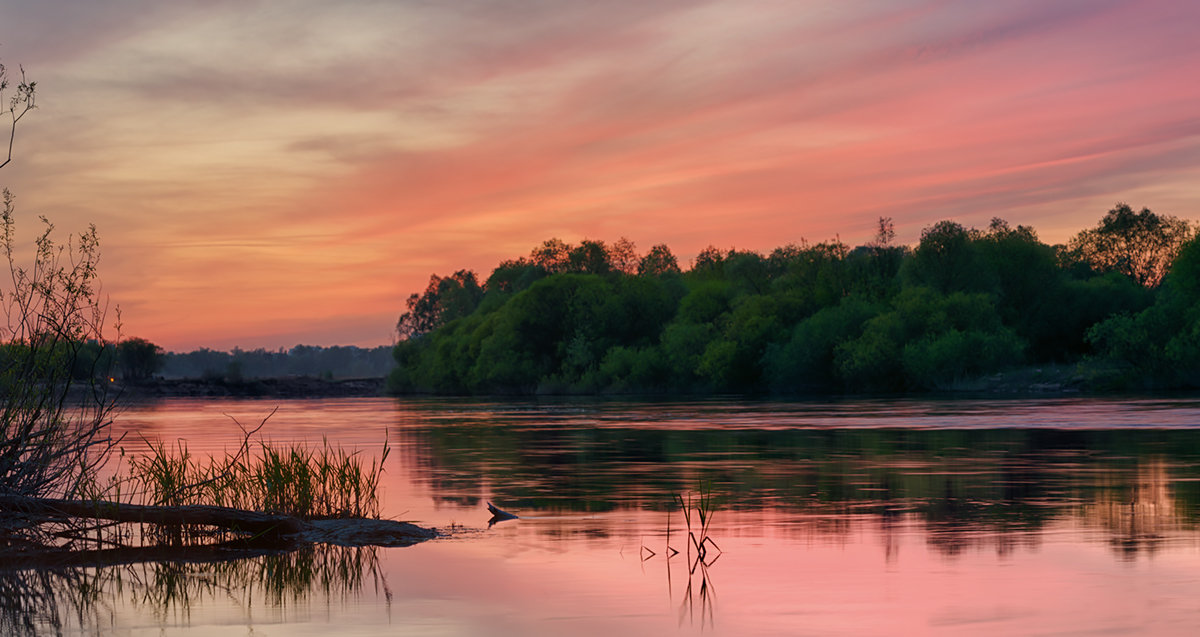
(444, 300)
(1140, 245)
(623, 256)
(658, 262)
(552, 256)
(589, 257)
(139, 359)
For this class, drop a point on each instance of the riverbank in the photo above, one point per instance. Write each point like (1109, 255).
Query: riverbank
(1026, 380)
(288, 387)
(1040, 379)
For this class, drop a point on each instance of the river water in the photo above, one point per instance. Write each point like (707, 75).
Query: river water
(1057, 516)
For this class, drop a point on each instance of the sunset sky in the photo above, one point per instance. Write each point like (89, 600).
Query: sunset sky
(267, 173)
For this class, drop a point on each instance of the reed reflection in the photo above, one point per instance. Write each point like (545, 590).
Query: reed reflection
(39, 600)
(699, 553)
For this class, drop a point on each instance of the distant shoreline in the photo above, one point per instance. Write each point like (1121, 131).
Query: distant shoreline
(1032, 380)
(288, 387)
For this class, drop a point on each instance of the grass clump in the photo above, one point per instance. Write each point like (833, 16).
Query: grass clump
(297, 480)
(702, 506)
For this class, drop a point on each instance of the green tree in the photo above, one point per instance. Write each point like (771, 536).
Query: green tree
(1026, 282)
(747, 272)
(554, 255)
(526, 339)
(659, 261)
(964, 303)
(810, 276)
(926, 340)
(946, 260)
(589, 257)
(709, 263)
(513, 275)
(1159, 346)
(805, 361)
(733, 362)
(444, 300)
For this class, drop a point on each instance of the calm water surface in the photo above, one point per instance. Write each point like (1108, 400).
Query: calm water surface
(1055, 516)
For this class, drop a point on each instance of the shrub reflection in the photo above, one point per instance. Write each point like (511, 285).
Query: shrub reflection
(39, 600)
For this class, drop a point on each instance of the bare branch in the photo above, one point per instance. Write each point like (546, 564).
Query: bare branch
(19, 105)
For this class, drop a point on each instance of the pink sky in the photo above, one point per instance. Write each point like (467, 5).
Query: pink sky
(272, 173)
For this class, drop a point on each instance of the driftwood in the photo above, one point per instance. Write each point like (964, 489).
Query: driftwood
(223, 517)
(498, 514)
(263, 526)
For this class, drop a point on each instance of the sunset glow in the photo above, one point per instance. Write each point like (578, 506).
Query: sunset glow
(272, 173)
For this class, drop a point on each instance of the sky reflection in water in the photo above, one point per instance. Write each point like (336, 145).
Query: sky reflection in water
(1051, 516)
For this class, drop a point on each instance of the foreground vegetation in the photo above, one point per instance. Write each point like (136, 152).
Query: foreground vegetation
(1122, 299)
(325, 482)
(259, 497)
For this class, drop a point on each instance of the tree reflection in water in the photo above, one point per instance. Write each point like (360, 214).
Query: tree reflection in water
(1138, 515)
(35, 601)
(964, 488)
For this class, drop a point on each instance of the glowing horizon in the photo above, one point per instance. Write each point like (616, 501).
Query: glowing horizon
(280, 173)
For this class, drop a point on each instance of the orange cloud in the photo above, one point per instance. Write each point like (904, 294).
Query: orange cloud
(261, 175)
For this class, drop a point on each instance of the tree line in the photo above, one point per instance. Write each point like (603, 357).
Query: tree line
(139, 360)
(1121, 299)
(338, 361)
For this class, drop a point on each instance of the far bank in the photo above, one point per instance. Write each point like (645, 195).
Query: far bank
(286, 387)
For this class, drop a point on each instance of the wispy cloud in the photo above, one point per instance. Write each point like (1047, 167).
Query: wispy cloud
(258, 167)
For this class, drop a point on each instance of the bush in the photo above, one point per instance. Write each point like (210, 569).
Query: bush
(937, 360)
(52, 439)
(806, 360)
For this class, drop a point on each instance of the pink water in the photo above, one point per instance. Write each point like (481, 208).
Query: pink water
(875, 517)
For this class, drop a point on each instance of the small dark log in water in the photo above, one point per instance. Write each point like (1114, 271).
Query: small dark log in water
(364, 532)
(498, 514)
(263, 527)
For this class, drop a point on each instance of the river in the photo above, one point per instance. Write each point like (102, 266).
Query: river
(1055, 516)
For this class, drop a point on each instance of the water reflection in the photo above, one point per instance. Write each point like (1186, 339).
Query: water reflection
(966, 488)
(1140, 514)
(700, 553)
(58, 600)
(698, 599)
(964, 517)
